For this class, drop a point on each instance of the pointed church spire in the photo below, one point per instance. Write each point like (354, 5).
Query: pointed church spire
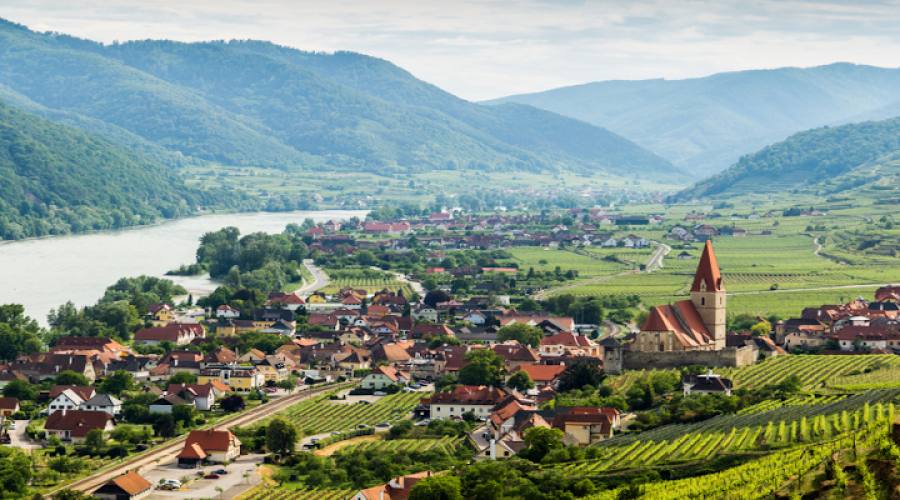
(708, 278)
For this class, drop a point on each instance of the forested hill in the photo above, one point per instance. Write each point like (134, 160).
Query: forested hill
(806, 160)
(255, 103)
(706, 124)
(55, 179)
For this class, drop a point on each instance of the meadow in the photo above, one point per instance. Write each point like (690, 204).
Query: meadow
(321, 415)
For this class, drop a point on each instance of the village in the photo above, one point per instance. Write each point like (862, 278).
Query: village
(467, 341)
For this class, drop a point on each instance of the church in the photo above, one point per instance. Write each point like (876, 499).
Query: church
(697, 324)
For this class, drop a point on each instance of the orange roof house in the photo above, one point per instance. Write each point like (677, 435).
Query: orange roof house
(396, 489)
(128, 485)
(217, 446)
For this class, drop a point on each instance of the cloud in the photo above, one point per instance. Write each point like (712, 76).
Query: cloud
(488, 48)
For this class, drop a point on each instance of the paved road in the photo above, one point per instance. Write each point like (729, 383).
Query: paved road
(415, 285)
(656, 260)
(320, 280)
(171, 448)
(18, 438)
(241, 476)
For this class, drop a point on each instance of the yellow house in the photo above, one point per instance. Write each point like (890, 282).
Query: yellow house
(240, 378)
(316, 299)
(161, 314)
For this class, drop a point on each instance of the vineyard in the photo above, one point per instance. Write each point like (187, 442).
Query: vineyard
(813, 371)
(887, 377)
(264, 492)
(771, 404)
(674, 444)
(445, 444)
(320, 415)
(758, 478)
(370, 285)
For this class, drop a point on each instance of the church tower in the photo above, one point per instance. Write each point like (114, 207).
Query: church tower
(708, 295)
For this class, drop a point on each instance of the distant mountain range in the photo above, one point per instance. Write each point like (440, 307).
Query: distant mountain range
(259, 104)
(825, 160)
(704, 125)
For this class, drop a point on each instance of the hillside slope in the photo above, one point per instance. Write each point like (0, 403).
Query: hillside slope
(705, 124)
(828, 158)
(55, 180)
(255, 103)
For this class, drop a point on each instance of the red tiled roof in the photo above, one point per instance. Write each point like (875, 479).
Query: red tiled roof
(566, 339)
(470, 394)
(683, 319)
(85, 392)
(708, 271)
(212, 440)
(543, 373)
(132, 483)
(192, 450)
(77, 422)
(9, 404)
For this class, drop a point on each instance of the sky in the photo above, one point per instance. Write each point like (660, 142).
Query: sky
(482, 49)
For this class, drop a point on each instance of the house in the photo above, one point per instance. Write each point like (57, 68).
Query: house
(74, 425)
(175, 333)
(209, 446)
(586, 425)
(503, 435)
(396, 489)
(128, 486)
(289, 301)
(515, 355)
(45, 366)
(384, 376)
(706, 384)
(544, 375)
(202, 396)
(239, 378)
(167, 402)
(102, 402)
(225, 311)
(462, 399)
(569, 344)
(697, 324)
(68, 397)
(161, 314)
(8, 406)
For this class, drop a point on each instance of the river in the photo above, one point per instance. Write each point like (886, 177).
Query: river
(42, 274)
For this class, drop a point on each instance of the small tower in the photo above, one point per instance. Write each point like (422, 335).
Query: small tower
(708, 295)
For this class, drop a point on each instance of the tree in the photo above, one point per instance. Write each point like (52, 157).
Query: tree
(183, 378)
(21, 390)
(71, 495)
(68, 377)
(117, 383)
(762, 328)
(19, 334)
(164, 425)
(520, 381)
(232, 403)
(444, 487)
(579, 373)
(183, 414)
(539, 441)
(95, 441)
(15, 471)
(434, 297)
(281, 436)
(483, 367)
(130, 433)
(523, 333)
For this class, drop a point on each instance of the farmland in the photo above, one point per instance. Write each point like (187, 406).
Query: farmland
(445, 444)
(320, 415)
(730, 434)
(369, 280)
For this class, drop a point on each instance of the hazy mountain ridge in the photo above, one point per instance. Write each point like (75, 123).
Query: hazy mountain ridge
(255, 103)
(56, 179)
(820, 159)
(705, 124)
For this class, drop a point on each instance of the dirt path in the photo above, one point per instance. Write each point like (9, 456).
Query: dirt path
(335, 447)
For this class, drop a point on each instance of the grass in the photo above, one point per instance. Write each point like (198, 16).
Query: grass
(320, 415)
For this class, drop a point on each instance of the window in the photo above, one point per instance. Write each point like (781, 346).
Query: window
(702, 301)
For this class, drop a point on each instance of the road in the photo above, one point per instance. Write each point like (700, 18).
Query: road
(656, 260)
(171, 448)
(415, 285)
(320, 280)
(815, 289)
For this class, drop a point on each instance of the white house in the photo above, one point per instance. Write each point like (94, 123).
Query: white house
(478, 400)
(706, 384)
(69, 398)
(102, 402)
(225, 311)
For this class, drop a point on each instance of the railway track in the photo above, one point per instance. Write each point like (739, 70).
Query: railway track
(172, 447)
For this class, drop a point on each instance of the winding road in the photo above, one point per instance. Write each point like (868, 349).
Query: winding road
(320, 280)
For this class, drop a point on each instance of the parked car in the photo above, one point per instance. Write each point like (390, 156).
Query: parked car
(383, 425)
(362, 426)
(211, 476)
(379, 393)
(221, 471)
